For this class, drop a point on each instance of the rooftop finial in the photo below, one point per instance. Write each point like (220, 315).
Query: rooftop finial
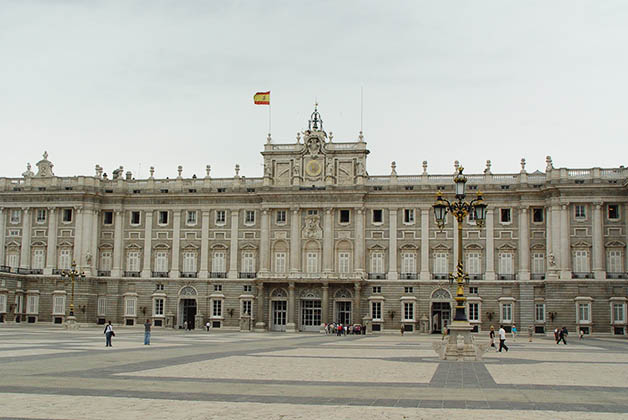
(315, 123)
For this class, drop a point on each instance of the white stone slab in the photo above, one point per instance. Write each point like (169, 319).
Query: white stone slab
(592, 374)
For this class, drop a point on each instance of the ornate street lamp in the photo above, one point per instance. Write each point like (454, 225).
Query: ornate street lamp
(73, 274)
(459, 209)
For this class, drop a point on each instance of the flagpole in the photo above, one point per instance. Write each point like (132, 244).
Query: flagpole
(269, 119)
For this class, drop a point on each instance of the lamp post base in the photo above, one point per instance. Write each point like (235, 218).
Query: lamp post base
(460, 344)
(70, 323)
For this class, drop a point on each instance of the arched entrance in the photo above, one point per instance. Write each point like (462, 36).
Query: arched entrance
(440, 310)
(278, 310)
(342, 306)
(311, 310)
(187, 307)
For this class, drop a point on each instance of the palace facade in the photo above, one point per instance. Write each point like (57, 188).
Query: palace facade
(316, 239)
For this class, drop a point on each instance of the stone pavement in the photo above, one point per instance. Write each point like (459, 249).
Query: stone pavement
(47, 372)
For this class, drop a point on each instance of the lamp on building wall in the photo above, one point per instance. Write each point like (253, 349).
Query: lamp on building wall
(73, 274)
(143, 308)
(83, 308)
(553, 315)
(391, 314)
(490, 315)
(230, 312)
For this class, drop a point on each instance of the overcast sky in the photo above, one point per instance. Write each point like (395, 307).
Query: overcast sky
(163, 83)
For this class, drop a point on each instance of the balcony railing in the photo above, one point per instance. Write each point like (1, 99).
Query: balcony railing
(218, 275)
(616, 275)
(162, 274)
(24, 271)
(37, 271)
(440, 276)
(5, 269)
(104, 273)
(189, 275)
(131, 274)
(581, 275)
(246, 275)
(56, 271)
(376, 276)
(409, 276)
(475, 276)
(507, 276)
(537, 276)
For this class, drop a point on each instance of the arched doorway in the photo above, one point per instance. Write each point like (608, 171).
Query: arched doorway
(441, 310)
(278, 310)
(343, 299)
(187, 307)
(311, 310)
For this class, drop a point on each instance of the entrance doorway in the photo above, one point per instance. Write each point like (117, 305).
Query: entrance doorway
(280, 309)
(188, 312)
(343, 313)
(441, 316)
(311, 315)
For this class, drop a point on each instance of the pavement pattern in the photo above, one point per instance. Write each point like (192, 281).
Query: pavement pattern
(50, 373)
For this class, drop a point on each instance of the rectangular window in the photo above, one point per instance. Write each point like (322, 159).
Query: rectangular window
(613, 211)
(408, 263)
(105, 261)
(41, 215)
(191, 218)
(505, 216)
(161, 261)
(102, 306)
(408, 289)
(58, 307)
(217, 307)
(217, 287)
(343, 262)
(538, 263)
(130, 303)
(377, 290)
(248, 262)
(159, 286)
(618, 312)
(539, 312)
(538, 215)
(67, 215)
(189, 262)
(581, 261)
(507, 312)
(474, 263)
(344, 216)
(473, 290)
(133, 261)
(614, 261)
(247, 307)
(249, 217)
(408, 216)
(107, 218)
(280, 262)
(378, 216)
(3, 303)
(158, 307)
(505, 263)
(474, 311)
(312, 262)
(218, 262)
(221, 217)
(16, 216)
(247, 288)
(408, 311)
(39, 257)
(281, 217)
(32, 304)
(580, 211)
(376, 311)
(440, 263)
(312, 212)
(377, 262)
(163, 218)
(584, 312)
(135, 218)
(65, 259)
(13, 260)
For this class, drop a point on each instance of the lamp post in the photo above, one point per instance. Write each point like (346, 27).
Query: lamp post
(72, 274)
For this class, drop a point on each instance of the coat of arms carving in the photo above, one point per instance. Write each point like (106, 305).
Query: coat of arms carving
(312, 229)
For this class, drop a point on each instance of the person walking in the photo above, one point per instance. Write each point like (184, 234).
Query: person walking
(581, 335)
(108, 334)
(502, 339)
(556, 335)
(147, 326)
(530, 333)
(562, 335)
(513, 330)
(207, 326)
(491, 337)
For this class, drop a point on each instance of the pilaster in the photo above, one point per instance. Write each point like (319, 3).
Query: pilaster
(490, 244)
(93, 245)
(25, 257)
(78, 237)
(148, 247)
(265, 242)
(118, 244)
(260, 325)
(233, 251)
(325, 304)
(597, 248)
(290, 325)
(359, 241)
(392, 247)
(295, 240)
(425, 244)
(3, 235)
(51, 248)
(565, 270)
(524, 244)
(204, 269)
(176, 242)
(328, 242)
(355, 317)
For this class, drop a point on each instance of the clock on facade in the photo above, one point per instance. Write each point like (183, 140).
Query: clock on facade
(313, 168)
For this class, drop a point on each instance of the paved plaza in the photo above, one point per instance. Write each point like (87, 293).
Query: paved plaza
(52, 373)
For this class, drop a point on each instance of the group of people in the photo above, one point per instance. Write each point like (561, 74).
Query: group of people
(110, 333)
(502, 337)
(561, 335)
(340, 329)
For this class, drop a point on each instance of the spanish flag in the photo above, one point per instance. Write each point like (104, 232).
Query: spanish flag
(262, 98)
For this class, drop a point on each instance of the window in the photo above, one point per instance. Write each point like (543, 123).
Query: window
(408, 311)
(133, 261)
(312, 212)
(248, 262)
(507, 312)
(135, 218)
(619, 312)
(16, 216)
(408, 263)
(614, 261)
(65, 259)
(249, 217)
(613, 212)
(538, 263)
(217, 287)
(102, 306)
(105, 261)
(377, 262)
(505, 263)
(474, 311)
(474, 263)
(221, 217)
(130, 304)
(580, 211)
(32, 304)
(473, 290)
(67, 215)
(189, 262)
(539, 312)
(581, 261)
(58, 307)
(14, 232)
(408, 289)
(13, 259)
(312, 262)
(584, 312)
(378, 216)
(247, 288)
(281, 217)
(107, 218)
(163, 218)
(161, 261)
(3, 303)
(344, 216)
(344, 259)
(159, 287)
(376, 311)
(218, 262)
(41, 215)
(408, 216)
(505, 216)
(158, 307)
(280, 262)
(217, 307)
(190, 220)
(39, 257)
(247, 307)
(538, 215)
(440, 263)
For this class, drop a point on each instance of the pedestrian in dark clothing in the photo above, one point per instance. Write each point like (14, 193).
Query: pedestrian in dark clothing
(108, 334)
(502, 339)
(147, 326)
(562, 335)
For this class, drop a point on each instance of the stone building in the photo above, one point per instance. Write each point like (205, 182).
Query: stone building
(316, 239)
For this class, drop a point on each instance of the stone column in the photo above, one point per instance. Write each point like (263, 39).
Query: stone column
(260, 325)
(392, 245)
(295, 241)
(325, 304)
(556, 236)
(265, 242)
(204, 271)
(176, 241)
(355, 317)
(3, 235)
(118, 244)
(548, 234)
(78, 237)
(51, 250)
(93, 245)
(359, 258)
(490, 245)
(328, 242)
(425, 244)
(86, 240)
(148, 246)
(291, 325)
(25, 257)
(597, 249)
(524, 244)
(233, 251)
(565, 270)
